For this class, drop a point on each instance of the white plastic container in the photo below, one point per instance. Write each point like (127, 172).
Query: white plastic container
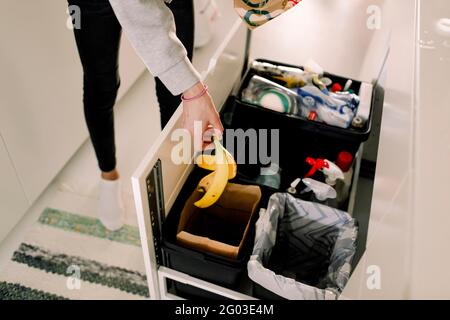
(345, 163)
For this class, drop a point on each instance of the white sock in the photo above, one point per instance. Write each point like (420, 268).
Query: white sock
(110, 207)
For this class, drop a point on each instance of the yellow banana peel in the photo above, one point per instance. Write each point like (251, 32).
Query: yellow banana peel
(206, 182)
(223, 166)
(208, 162)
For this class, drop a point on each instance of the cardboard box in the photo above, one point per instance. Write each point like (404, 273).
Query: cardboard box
(222, 228)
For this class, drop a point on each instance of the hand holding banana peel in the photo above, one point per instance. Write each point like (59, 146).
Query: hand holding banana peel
(224, 167)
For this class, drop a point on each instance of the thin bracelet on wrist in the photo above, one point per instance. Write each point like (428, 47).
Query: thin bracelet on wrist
(199, 95)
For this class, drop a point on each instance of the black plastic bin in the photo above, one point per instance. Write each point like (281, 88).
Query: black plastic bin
(299, 137)
(206, 266)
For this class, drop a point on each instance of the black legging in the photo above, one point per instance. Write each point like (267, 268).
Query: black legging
(98, 42)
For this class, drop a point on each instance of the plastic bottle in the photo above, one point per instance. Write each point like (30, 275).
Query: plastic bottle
(291, 76)
(312, 66)
(272, 70)
(363, 111)
(331, 108)
(293, 187)
(345, 163)
(322, 191)
(331, 171)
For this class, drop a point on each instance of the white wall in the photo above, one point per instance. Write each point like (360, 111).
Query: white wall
(13, 198)
(410, 221)
(41, 111)
(41, 118)
(388, 245)
(333, 33)
(408, 239)
(430, 260)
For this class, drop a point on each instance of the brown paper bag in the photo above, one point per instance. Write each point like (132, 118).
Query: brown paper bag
(257, 12)
(221, 229)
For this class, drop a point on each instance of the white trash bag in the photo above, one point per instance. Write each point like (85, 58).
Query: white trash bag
(302, 250)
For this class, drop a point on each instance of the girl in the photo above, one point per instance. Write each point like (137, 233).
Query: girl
(165, 50)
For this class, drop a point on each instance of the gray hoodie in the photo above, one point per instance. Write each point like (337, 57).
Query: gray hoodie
(150, 27)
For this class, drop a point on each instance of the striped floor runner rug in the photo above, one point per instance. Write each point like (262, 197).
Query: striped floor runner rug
(70, 256)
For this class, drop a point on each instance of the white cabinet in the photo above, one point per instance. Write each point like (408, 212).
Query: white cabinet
(41, 109)
(389, 247)
(13, 200)
(226, 54)
(41, 117)
(41, 114)
(430, 257)
(322, 30)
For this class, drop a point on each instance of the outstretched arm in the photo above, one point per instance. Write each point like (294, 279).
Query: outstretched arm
(150, 27)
